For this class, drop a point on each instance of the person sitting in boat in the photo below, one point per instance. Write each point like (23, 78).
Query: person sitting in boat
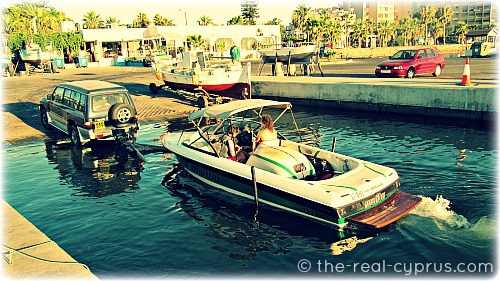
(230, 148)
(267, 135)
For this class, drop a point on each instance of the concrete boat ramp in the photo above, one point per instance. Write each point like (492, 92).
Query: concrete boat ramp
(28, 253)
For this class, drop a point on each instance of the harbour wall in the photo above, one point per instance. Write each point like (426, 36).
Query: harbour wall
(424, 97)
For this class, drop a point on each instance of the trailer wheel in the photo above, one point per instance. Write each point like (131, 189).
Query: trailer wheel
(153, 88)
(202, 102)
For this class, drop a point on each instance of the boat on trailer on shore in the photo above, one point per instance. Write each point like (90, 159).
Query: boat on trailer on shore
(316, 183)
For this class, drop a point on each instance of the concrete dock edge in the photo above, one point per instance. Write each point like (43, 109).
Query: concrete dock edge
(29, 253)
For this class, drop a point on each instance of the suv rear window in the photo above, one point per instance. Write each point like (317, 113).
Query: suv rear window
(101, 103)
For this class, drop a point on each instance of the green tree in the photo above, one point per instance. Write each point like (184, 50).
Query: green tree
(460, 30)
(405, 29)
(235, 20)
(427, 15)
(141, 20)
(359, 32)
(195, 41)
(346, 19)
(300, 16)
(444, 15)
(27, 16)
(162, 21)
(314, 30)
(249, 11)
(91, 20)
(204, 21)
(333, 32)
(385, 31)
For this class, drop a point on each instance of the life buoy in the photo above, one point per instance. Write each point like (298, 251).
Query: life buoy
(159, 76)
(195, 79)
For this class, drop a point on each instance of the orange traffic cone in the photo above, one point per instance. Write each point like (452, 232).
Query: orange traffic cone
(466, 76)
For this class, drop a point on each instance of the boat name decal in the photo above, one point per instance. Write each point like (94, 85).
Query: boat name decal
(374, 199)
(206, 174)
(315, 213)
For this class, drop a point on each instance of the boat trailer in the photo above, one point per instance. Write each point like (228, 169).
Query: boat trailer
(203, 98)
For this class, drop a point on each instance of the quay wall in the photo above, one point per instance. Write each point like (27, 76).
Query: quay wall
(433, 98)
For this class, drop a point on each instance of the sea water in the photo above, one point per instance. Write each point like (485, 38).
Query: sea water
(125, 219)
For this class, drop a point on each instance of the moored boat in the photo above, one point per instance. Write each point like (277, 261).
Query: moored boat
(291, 175)
(194, 74)
(292, 55)
(33, 55)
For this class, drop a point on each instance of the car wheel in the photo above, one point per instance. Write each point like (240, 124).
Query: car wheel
(74, 136)
(437, 72)
(121, 114)
(45, 119)
(411, 73)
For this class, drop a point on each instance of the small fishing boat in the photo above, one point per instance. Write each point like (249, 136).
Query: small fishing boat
(33, 55)
(289, 174)
(289, 55)
(194, 74)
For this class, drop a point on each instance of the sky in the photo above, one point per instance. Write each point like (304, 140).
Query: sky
(220, 11)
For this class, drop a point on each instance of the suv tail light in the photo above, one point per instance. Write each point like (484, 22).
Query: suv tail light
(88, 124)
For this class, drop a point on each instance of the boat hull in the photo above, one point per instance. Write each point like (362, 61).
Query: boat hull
(232, 90)
(231, 82)
(297, 55)
(241, 184)
(35, 58)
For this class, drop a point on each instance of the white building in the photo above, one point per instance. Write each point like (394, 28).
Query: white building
(134, 42)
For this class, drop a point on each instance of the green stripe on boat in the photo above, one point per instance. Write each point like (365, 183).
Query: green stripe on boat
(277, 164)
(375, 171)
(343, 186)
(316, 154)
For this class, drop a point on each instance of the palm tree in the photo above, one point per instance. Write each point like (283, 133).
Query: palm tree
(359, 32)
(333, 32)
(300, 16)
(314, 30)
(444, 15)
(404, 29)
(346, 19)
(141, 20)
(461, 29)
(91, 20)
(158, 20)
(428, 15)
(195, 41)
(235, 20)
(249, 11)
(204, 21)
(385, 31)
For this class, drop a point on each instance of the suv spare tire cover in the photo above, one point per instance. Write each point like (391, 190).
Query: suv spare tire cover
(121, 114)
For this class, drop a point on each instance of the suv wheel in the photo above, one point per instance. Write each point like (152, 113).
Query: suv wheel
(121, 115)
(74, 136)
(45, 119)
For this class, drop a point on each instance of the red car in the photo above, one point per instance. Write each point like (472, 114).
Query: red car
(408, 63)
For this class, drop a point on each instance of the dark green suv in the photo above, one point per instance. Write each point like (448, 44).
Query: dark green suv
(89, 110)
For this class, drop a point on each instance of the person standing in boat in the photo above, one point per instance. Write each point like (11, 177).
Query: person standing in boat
(267, 135)
(231, 149)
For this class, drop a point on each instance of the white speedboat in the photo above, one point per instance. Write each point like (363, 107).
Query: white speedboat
(292, 55)
(313, 182)
(193, 74)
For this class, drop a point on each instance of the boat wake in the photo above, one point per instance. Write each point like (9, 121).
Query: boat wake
(440, 209)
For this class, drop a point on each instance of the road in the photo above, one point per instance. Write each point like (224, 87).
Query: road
(481, 68)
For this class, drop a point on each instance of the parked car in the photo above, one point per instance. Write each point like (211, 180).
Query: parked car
(408, 63)
(90, 110)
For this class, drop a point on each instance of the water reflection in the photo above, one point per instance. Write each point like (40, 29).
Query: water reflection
(231, 219)
(96, 170)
